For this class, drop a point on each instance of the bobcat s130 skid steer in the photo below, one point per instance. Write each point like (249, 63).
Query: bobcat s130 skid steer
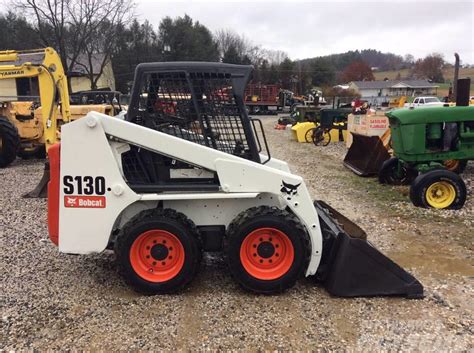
(184, 171)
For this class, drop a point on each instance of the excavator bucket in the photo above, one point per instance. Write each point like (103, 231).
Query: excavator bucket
(353, 267)
(41, 190)
(366, 154)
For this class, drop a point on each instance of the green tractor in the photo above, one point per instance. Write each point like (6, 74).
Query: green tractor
(431, 148)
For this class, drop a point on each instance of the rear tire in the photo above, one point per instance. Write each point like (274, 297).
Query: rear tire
(388, 173)
(439, 189)
(9, 142)
(158, 251)
(267, 249)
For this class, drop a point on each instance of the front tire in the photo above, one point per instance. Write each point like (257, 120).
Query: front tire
(267, 249)
(321, 136)
(9, 142)
(158, 251)
(439, 189)
(309, 135)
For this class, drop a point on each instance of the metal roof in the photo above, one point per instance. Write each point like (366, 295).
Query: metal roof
(392, 83)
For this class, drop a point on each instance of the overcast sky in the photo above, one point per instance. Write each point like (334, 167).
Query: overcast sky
(312, 28)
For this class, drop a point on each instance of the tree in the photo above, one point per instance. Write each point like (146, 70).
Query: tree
(19, 34)
(357, 71)
(323, 72)
(231, 56)
(431, 68)
(72, 26)
(228, 40)
(287, 72)
(187, 40)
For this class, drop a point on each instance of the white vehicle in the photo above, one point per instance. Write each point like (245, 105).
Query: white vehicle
(183, 172)
(424, 102)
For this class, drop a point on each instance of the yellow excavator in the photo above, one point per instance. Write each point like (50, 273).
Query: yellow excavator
(18, 123)
(29, 128)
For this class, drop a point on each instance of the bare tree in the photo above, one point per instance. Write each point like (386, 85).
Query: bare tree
(77, 27)
(227, 39)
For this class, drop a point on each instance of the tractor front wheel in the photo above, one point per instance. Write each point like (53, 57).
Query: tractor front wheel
(393, 172)
(158, 251)
(321, 136)
(267, 249)
(441, 189)
(309, 135)
(9, 142)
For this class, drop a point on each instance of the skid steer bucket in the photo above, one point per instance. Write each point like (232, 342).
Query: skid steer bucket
(366, 154)
(41, 190)
(353, 267)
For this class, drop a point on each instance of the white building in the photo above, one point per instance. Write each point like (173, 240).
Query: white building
(380, 91)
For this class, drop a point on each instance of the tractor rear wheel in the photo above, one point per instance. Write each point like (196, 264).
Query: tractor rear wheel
(9, 142)
(440, 189)
(158, 251)
(321, 136)
(455, 165)
(394, 174)
(267, 249)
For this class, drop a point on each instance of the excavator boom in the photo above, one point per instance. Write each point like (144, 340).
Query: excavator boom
(45, 64)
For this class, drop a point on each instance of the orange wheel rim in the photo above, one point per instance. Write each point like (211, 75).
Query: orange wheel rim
(267, 253)
(157, 255)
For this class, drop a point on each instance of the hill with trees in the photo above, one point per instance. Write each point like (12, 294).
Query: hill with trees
(125, 41)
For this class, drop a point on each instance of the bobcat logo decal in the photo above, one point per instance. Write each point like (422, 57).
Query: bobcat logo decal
(289, 189)
(71, 201)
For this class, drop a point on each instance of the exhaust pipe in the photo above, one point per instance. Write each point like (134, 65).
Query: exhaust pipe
(353, 267)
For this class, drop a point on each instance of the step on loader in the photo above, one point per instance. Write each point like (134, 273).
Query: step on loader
(184, 171)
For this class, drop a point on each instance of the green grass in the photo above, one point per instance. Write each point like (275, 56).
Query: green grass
(448, 74)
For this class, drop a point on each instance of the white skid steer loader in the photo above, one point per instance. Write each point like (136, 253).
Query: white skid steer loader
(183, 172)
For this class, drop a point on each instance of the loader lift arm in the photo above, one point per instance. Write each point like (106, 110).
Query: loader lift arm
(45, 64)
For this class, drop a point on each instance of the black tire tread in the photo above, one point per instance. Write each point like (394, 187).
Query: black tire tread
(416, 189)
(11, 142)
(289, 218)
(154, 214)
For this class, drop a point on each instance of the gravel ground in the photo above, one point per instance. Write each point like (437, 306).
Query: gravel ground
(57, 301)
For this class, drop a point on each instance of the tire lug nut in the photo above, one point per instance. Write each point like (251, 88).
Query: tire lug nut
(154, 263)
(163, 263)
